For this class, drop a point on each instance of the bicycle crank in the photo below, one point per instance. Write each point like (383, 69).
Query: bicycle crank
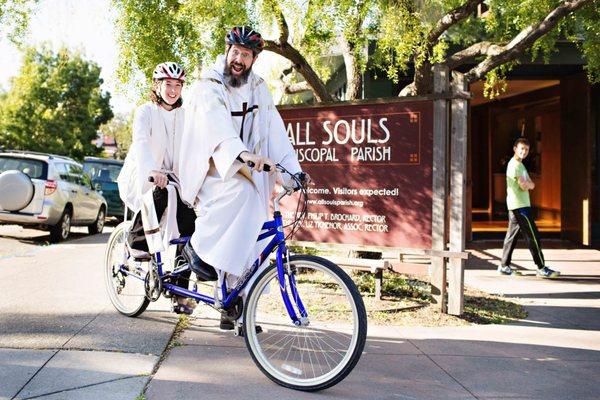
(152, 284)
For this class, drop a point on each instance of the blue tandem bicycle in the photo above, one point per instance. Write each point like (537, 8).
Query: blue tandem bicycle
(312, 330)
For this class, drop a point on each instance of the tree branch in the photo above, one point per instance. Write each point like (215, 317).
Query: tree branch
(284, 32)
(470, 54)
(293, 88)
(525, 39)
(451, 18)
(423, 81)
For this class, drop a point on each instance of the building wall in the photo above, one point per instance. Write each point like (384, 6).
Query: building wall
(577, 158)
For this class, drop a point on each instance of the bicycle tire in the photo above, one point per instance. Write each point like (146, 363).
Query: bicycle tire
(116, 281)
(331, 353)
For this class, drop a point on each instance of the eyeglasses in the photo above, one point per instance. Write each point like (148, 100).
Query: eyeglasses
(246, 56)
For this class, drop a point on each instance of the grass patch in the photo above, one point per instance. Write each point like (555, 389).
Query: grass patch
(483, 308)
(407, 301)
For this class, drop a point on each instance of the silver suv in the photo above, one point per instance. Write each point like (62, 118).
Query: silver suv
(49, 192)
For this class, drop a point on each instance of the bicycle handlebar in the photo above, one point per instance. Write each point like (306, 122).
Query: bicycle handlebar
(266, 167)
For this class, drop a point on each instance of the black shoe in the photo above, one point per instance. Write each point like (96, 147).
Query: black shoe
(228, 324)
(204, 271)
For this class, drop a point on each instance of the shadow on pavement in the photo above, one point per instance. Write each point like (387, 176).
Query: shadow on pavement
(392, 368)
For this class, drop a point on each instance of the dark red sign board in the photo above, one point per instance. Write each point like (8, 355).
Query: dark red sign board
(371, 164)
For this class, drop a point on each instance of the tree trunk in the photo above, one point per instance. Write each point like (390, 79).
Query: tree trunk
(354, 79)
(423, 79)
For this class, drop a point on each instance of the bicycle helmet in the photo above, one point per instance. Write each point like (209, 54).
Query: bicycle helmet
(246, 37)
(170, 70)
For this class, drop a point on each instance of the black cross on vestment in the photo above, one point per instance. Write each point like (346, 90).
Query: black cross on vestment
(245, 110)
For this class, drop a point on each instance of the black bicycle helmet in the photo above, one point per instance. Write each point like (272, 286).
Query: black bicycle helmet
(246, 37)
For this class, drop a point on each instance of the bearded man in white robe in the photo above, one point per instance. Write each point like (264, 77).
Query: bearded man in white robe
(230, 120)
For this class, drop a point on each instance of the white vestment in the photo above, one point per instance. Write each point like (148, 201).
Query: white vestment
(155, 146)
(232, 202)
(155, 143)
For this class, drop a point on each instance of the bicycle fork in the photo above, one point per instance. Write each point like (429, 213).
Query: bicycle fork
(300, 318)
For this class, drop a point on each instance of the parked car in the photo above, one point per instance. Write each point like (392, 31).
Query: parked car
(48, 192)
(104, 173)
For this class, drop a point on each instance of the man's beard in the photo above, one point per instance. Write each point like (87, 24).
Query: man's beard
(235, 80)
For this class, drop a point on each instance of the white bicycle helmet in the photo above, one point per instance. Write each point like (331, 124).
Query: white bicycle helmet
(170, 70)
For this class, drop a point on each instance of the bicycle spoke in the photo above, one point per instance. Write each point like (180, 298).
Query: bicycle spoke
(316, 354)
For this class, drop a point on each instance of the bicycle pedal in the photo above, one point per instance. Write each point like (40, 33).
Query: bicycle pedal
(241, 332)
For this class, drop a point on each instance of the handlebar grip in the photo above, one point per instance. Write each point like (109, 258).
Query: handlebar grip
(266, 167)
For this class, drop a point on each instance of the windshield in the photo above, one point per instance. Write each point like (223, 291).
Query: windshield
(102, 172)
(36, 169)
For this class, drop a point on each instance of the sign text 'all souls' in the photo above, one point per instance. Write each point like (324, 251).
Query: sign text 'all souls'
(366, 143)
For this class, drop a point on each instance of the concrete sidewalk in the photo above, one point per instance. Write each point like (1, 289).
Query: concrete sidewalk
(552, 354)
(60, 338)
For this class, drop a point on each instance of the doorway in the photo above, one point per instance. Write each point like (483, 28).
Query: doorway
(529, 109)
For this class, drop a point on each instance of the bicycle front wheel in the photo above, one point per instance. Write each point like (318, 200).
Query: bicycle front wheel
(124, 277)
(326, 346)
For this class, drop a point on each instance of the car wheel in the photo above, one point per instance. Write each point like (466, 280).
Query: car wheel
(98, 225)
(61, 230)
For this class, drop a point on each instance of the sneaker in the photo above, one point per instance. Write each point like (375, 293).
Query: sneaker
(506, 270)
(547, 273)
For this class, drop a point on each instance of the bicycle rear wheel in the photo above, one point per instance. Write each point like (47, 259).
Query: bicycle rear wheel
(328, 344)
(125, 289)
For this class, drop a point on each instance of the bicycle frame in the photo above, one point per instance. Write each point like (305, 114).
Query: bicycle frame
(273, 228)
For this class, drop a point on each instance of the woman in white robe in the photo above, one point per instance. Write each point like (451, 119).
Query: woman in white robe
(157, 131)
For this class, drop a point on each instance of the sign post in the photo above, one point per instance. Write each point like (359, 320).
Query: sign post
(437, 272)
(458, 190)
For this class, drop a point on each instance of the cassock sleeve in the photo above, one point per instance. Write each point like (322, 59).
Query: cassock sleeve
(140, 145)
(225, 157)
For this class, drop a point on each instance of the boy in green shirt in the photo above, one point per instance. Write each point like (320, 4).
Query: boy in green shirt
(518, 185)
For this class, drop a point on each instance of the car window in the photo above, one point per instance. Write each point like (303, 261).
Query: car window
(102, 172)
(62, 170)
(36, 169)
(87, 181)
(76, 174)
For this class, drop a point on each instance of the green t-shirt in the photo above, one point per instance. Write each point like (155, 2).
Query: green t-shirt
(515, 196)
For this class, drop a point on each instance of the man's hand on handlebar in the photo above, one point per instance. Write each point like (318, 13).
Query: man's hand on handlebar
(159, 179)
(257, 163)
(305, 179)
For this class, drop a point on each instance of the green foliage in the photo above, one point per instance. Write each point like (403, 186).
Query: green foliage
(192, 32)
(119, 128)
(405, 25)
(54, 105)
(14, 18)
(155, 31)
(585, 30)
